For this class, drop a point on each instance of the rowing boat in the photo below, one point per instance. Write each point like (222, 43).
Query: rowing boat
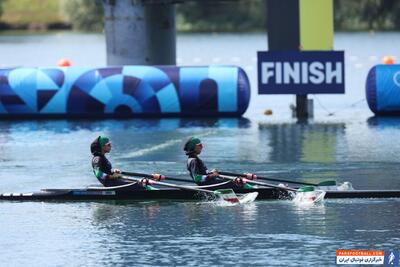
(126, 193)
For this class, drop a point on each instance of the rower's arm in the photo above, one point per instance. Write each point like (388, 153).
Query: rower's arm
(99, 174)
(102, 176)
(195, 172)
(100, 171)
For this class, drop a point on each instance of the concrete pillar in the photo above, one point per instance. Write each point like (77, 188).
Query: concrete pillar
(161, 34)
(138, 34)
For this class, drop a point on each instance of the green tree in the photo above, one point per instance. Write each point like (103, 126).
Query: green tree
(1, 6)
(235, 15)
(85, 15)
(367, 14)
(243, 15)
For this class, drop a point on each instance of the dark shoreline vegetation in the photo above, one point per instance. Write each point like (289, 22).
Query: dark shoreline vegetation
(209, 16)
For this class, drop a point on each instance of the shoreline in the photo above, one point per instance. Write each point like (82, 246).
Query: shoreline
(35, 26)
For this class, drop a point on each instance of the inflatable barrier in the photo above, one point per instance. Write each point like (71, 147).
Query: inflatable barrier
(383, 90)
(128, 91)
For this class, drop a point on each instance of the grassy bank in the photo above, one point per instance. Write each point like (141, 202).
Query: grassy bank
(32, 14)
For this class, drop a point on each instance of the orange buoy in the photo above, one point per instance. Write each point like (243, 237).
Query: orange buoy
(388, 60)
(268, 112)
(63, 62)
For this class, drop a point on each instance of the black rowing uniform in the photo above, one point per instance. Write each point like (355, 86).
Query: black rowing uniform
(102, 170)
(201, 176)
(199, 172)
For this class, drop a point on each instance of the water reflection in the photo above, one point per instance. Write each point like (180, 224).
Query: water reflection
(171, 232)
(194, 233)
(302, 142)
(311, 219)
(165, 124)
(383, 122)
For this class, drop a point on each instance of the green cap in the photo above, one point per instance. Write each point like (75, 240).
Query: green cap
(103, 140)
(191, 144)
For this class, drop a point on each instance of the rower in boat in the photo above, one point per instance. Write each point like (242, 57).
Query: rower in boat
(198, 170)
(103, 170)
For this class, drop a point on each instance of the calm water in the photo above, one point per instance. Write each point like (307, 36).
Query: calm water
(350, 145)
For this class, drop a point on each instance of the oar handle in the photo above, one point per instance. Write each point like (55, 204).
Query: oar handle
(227, 177)
(137, 174)
(267, 178)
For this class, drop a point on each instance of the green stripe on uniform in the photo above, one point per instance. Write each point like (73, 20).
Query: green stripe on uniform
(98, 173)
(197, 178)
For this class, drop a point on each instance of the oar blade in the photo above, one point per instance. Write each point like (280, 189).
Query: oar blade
(248, 198)
(306, 188)
(307, 195)
(227, 195)
(230, 196)
(327, 183)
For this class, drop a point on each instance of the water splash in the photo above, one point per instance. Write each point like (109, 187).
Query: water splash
(306, 199)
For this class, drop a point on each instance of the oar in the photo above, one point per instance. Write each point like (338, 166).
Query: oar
(304, 189)
(226, 177)
(136, 174)
(324, 183)
(225, 194)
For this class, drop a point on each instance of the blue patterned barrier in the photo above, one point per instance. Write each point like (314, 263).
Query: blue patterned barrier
(383, 89)
(128, 91)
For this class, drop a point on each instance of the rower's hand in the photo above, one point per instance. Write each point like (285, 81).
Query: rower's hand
(250, 176)
(116, 171)
(115, 175)
(146, 181)
(214, 173)
(240, 181)
(158, 177)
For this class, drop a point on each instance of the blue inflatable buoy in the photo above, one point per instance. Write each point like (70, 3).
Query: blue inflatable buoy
(383, 90)
(127, 91)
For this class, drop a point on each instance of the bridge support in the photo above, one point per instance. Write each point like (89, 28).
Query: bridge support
(139, 33)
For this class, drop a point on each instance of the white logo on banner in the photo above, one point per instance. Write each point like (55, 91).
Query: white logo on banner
(391, 257)
(301, 72)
